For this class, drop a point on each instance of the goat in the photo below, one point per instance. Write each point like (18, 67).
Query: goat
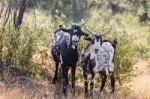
(64, 52)
(97, 57)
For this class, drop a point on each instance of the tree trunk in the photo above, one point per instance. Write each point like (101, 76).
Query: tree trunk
(19, 13)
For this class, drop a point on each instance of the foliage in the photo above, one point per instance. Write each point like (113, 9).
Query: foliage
(41, 19)
(148, 7)
(19, 47)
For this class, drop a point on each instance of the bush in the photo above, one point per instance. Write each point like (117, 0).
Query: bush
(19, 47)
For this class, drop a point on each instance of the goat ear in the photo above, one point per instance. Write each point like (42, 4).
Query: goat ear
(88, 38)
(102, 36)
(85, 34)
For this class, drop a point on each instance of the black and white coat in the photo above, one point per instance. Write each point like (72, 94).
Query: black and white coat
(64, 52)
(98, 56)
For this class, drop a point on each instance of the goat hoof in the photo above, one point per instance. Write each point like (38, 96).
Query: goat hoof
(64, 93)
(101, 94)
(91, 93)
(111, 93)
(73, 92)
(86, 94)
(54, 81)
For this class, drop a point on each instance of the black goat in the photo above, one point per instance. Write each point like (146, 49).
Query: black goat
(64, 52)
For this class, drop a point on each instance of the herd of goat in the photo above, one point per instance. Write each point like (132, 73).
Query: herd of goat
(96, 57)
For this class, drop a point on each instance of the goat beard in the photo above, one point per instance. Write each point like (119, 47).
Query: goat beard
(74, 45)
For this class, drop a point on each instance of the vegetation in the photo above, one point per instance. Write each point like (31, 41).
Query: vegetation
(28, 46)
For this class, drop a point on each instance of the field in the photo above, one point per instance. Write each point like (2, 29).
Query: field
(26, 64)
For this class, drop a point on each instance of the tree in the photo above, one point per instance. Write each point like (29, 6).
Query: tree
(19, 13)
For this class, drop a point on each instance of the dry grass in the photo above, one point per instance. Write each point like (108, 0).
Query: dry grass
(29, 88)
(42, 89)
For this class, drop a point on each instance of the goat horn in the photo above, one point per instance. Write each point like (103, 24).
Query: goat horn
(106, 32)
(89, 30)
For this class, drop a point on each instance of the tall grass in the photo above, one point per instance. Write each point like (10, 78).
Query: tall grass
(21, 46)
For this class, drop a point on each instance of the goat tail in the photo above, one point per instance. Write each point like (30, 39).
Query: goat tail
(115, 43)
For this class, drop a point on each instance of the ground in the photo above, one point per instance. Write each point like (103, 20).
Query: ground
(41, 89)
(141, 81)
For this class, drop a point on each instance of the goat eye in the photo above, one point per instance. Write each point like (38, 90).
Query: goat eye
(92, 42)
(82, 55)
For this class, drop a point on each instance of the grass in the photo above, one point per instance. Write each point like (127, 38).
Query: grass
(31, 50)
(45, 90)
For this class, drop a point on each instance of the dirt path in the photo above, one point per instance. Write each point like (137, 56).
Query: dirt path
(141, 83)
